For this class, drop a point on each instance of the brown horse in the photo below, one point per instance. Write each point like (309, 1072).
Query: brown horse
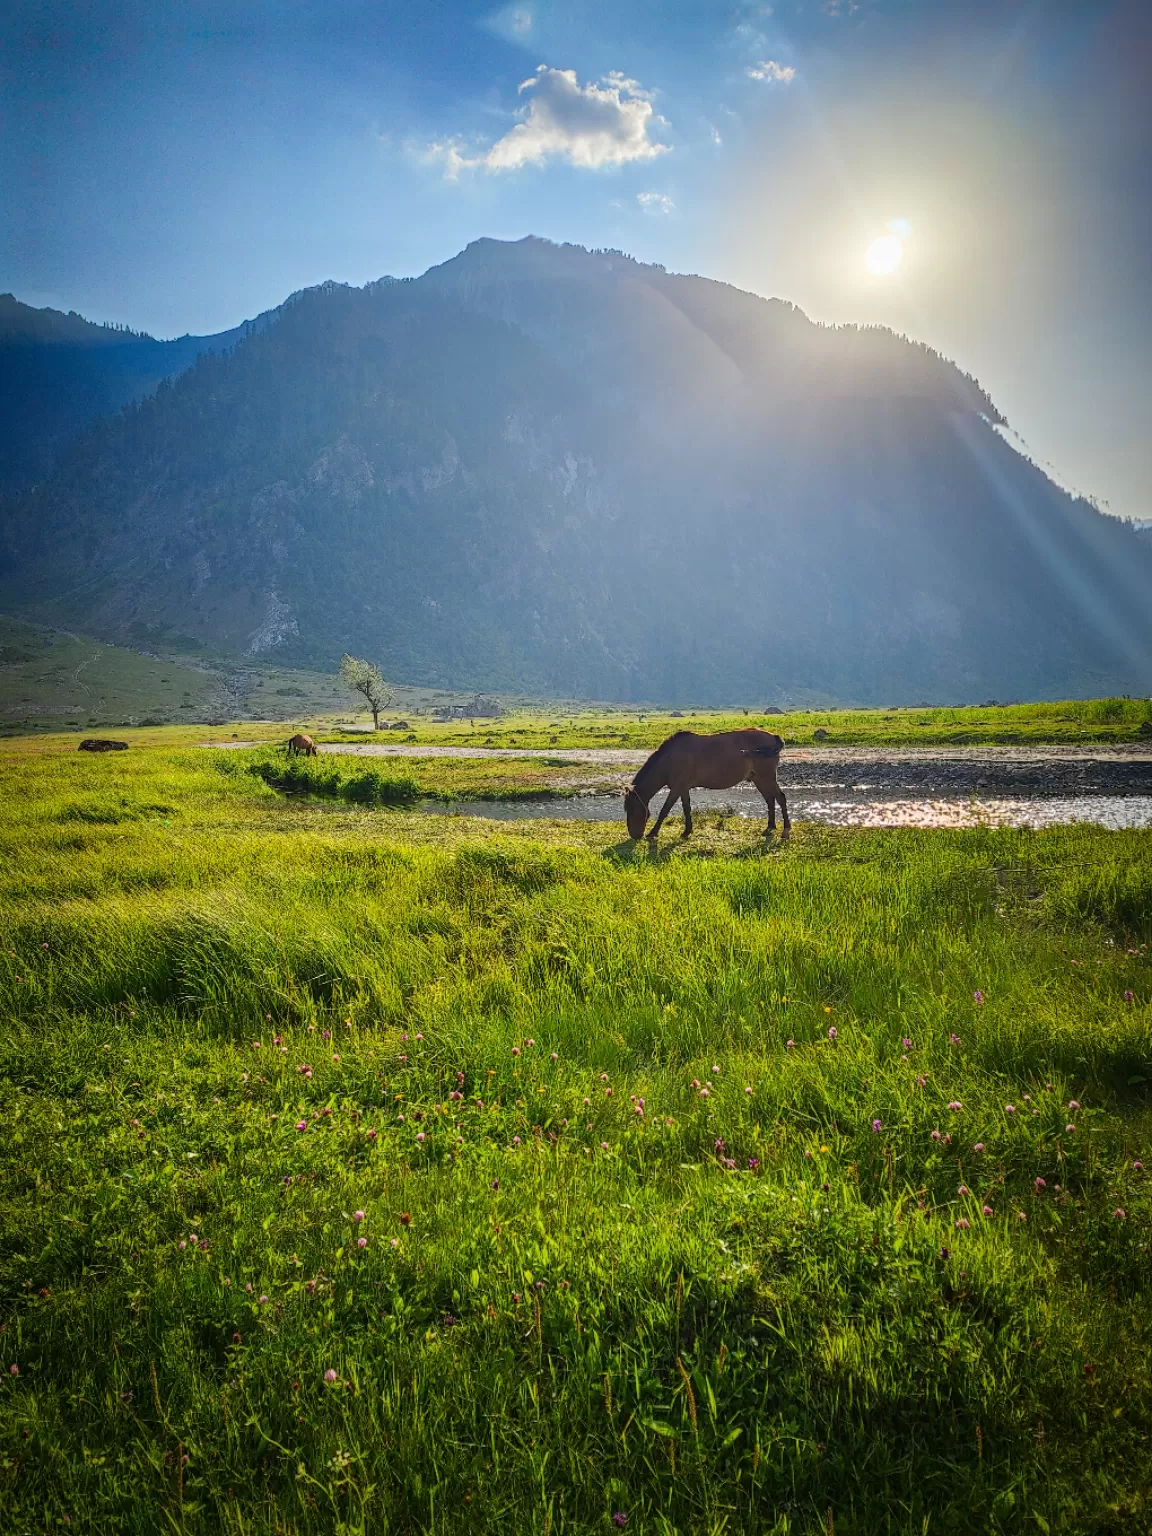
(301, 746)
(687, 761)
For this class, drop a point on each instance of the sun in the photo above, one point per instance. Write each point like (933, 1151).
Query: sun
(884, 255)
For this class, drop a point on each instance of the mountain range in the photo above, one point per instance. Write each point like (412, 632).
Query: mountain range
(546, 469)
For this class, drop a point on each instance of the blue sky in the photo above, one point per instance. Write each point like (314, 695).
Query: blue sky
(183, 167)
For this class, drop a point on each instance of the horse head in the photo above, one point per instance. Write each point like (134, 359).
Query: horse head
(635, 813)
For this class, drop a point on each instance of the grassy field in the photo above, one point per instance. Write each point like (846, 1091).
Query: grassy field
(408, 780)
(365, 1171)
(1072, 722)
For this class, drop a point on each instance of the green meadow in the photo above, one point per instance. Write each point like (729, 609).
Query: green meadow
(1071, 722)
(372, 1171)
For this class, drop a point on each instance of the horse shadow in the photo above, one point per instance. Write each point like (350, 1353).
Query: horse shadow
(628, 853)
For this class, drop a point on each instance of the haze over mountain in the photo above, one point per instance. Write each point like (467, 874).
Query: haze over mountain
(542, 468)
(58, 372)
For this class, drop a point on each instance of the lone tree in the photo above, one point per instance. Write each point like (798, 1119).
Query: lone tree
(364, 677)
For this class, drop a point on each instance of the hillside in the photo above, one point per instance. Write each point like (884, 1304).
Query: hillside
(541, 469)
(51, 680)
(59, 372)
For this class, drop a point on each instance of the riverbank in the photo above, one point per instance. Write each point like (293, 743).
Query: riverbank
(1029, 772)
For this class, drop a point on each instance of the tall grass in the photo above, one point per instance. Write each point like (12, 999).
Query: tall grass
(368, 1172)
(305, 777)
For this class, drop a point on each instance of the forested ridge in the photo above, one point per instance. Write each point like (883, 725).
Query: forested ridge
(548, 469)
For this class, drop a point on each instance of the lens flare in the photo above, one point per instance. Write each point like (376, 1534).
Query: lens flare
(884, 255)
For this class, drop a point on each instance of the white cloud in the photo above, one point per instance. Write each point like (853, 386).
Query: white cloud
(595, 125)
(768, 69)
(655, 202)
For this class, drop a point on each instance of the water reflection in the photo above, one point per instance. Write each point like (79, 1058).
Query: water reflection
(841, 807)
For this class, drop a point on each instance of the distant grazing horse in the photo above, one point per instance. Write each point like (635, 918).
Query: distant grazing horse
(301, 746)
(688, 761)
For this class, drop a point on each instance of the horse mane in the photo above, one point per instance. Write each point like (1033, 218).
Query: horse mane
(654, 760)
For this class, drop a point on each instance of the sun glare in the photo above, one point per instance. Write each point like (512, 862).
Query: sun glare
(884, 255)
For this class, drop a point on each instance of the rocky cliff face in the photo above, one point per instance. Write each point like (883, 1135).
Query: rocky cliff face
(544, 468)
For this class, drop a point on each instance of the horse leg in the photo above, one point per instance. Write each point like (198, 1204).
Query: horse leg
(783, 807)
(769, 796)
(687, 804)
(673, 796)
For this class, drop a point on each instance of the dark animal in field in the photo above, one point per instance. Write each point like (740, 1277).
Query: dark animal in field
(688, 761)
(301, 746)
(101, 744)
